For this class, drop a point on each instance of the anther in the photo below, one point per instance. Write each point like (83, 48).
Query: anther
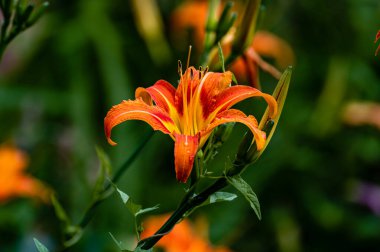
(179, 68)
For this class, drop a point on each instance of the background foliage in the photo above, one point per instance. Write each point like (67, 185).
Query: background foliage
(59, 78)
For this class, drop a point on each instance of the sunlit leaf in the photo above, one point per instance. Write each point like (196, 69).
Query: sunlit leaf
(40, 246)
(221, 196)
(245, 189)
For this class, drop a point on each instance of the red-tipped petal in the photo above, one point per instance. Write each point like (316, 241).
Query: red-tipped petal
(162, 93)
(235, 94)
(212, 84)
(185, 149)
(157, 118)
(234, 115)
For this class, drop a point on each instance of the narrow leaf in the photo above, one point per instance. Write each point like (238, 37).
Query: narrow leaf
(105, 171)
(119, 244)
(131, 206)
(138, 249)
(60, 212)
(221, 56)
(104, 160)
(146, 210)
(40, 246)
(245, 189)
(221, 196)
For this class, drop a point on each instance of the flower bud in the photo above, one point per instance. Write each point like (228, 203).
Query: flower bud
(247, 152)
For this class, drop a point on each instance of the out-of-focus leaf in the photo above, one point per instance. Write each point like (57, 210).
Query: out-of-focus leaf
(105, 170)
(73, 234)
(40, 246)
(245, 189)
(60, 212)
(119, 244)
(221, 56)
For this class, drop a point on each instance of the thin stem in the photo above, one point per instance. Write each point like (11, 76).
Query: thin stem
(190, 203)
(210, 31)
(108, 189)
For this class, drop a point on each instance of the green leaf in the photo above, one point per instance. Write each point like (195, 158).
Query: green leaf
(245, 189)
(138, 249)
(234, 80)
(105, 163)
(40, 246)
(221, 56)
(146, 210)
(214, 198)
(105, 171)
(221, 196)
(131, 206)
(72, 235)
(119, 244)
(37, 13)
(60, 212)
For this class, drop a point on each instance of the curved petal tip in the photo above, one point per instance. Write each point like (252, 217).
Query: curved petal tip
(185, 149)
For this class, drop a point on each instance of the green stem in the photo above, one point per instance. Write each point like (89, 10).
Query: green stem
(106, 191)
(191, 202)
(211, 25)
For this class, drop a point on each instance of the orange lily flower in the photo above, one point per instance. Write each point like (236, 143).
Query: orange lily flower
(193, 15)
(13, 182)
(185, 236)
(189, 113)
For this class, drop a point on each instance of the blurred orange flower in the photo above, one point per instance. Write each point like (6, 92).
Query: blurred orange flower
(362, 113)
(193, 15)
(201, 102)
(13, 182)
(376, 39)
(185, 236)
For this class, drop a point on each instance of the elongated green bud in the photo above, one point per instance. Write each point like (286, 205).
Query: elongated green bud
(247, 152)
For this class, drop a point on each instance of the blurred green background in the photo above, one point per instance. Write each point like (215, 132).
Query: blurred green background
(318, 182)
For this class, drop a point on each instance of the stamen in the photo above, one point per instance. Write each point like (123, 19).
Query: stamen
(200, 72)
(188, 57)
(179, 68)
(206, 70)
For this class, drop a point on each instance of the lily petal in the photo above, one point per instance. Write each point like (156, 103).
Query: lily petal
(157, 118)
(185, 149)
(162, 93)
(235, 94)
(234, 115)
(212, 84)
(188, 83)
